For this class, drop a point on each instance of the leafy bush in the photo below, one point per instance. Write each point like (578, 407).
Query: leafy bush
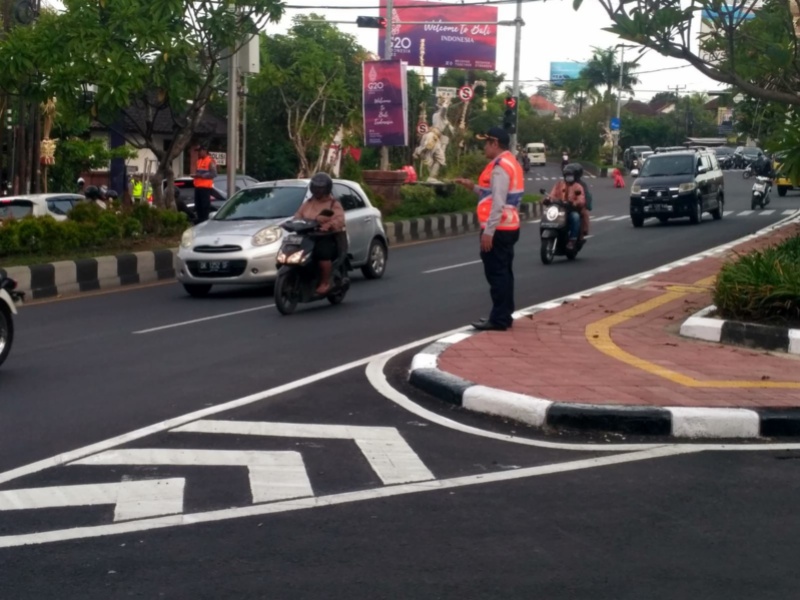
(762, 286)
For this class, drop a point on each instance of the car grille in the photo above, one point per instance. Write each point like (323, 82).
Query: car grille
(217, 249)
(652, 193)
(234, 269)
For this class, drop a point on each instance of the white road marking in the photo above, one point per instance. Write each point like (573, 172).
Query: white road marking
(744, 213)
(595, 219)
(384, 448)
(339, 499)
(622, 218)
(727, 212)
(790, 211)
(273, 475)
(132, 499)
(204, 319)
(766, 212)
(458, 266)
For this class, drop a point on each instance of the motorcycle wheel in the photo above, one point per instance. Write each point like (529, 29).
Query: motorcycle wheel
(6, 333)
(746, 174)
(753, 203)
(286, 292)
(337, 298)
(547, 251)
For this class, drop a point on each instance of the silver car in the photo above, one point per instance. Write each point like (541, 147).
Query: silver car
(39, 205)
(240, 243)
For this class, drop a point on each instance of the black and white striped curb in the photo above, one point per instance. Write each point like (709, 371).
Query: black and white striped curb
(441, 226)
(90, 274)
(752, 335)
(677, 421)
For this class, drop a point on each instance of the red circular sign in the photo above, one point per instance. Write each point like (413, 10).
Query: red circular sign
(422, 128)
(465, 93)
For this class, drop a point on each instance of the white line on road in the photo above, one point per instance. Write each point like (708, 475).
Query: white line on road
(339, 499)
(273, 475)
(622, 218)
(202, 320)
(132, 499)
(744, 213)
(727, 212)
(790, 211)
(766, 212)
(595, 219)
(458, 266)
(384, 448)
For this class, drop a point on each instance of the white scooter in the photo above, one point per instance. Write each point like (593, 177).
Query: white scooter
(759, 197)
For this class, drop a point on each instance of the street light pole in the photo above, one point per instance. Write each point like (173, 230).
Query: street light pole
(515, 85)
(619, 101)
(387, 55)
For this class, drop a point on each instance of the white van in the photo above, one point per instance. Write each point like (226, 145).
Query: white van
(536, 153)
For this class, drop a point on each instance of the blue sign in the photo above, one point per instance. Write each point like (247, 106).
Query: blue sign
(562, 71)
(615, 124)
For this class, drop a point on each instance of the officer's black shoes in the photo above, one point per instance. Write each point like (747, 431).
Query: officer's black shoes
(486, 325)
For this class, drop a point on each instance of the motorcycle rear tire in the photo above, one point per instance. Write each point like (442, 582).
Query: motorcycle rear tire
(746, 174)
(753, 203)
(6, 332)
(286, 293)
(337, 297)
(548, 250)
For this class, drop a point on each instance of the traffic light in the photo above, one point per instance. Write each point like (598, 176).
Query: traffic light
(373, 22)
(510, 115)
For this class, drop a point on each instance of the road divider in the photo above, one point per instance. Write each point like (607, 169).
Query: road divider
(84, 275)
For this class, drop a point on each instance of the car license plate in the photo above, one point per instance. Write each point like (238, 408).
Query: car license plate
(656, 207)
(294, 239)
(214, 266)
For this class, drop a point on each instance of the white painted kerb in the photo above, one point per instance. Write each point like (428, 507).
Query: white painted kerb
(714, 422)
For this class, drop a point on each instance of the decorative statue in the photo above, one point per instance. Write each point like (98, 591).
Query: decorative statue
(608, 137)
(433, 145)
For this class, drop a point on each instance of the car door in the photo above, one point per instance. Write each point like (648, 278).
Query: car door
(705, 178)
(359, 221)
(717, 180)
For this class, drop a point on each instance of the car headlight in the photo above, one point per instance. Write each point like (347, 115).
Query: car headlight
(187, 239)
(636, 189)
(687, 187)
(268, 235)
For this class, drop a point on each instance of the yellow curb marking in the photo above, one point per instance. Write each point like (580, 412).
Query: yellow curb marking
(598, 334)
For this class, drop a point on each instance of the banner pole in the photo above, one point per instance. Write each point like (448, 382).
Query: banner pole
(387, 55)
(515, 86)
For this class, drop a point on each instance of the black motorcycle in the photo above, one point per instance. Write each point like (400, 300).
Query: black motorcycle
(298, 272)
(9, 297)
(554, 231)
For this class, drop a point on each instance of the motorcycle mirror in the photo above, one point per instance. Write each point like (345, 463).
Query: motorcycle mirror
(542, 191)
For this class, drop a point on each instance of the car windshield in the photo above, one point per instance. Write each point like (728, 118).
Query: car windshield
(255, 204)
(723, 151)
(665, 165)
(751, 151)
(15, 209)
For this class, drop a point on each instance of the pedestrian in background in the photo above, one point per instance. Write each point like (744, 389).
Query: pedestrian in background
(500, 189)
(204, 176)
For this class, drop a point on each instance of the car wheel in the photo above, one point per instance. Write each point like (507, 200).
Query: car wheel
(6, 333)
(376, 261)
(718, 212)
(197, 290)
(286, 292)
(697, 216)
(637, 221)
(782, 189)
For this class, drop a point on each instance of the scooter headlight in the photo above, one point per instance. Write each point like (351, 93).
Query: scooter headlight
(551, 213)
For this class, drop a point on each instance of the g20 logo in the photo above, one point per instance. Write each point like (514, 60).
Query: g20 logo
(401, 43)
(375, 86)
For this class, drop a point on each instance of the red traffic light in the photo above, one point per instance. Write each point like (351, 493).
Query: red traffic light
(372, 22)
(511, 102)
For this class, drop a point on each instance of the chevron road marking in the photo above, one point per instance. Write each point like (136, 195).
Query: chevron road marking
(132, 499)
(273, 475)
(384, 448)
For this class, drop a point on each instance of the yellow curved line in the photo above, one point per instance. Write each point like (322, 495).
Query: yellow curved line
(598, 334)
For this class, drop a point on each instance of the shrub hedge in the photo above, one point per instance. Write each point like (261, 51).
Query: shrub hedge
(422, 200)
(87, 227)
(762, 286)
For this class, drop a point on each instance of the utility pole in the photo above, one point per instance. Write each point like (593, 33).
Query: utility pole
(677, 89)
(387, 55)
(617, 134)
(232, 151)
(518, 23)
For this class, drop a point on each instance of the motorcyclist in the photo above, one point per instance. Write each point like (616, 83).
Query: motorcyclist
(762, 166)
(328, 212)
(564, 159)
(93, 195)
(571, 190)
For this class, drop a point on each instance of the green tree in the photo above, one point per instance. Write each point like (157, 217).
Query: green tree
(458, 77)
(602, 71)
(580, 92)
(317, 71)
(136, 62)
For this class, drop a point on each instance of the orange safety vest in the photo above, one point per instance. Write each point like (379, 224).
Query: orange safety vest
(203, 164)
(510, 219)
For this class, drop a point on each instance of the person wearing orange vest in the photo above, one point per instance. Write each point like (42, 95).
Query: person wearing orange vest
(500, 189)
(204, 176)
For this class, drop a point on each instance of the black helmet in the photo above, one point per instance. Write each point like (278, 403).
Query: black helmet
(91, 192)
(321, 184)
(112, 194)
(575, 170)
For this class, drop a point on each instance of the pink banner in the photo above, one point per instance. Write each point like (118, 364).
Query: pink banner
(385, 103)
(451, 37)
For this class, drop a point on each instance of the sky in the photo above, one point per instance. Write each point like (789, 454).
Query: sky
(554, 31)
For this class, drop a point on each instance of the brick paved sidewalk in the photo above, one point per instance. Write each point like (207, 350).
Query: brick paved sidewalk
(622, 347)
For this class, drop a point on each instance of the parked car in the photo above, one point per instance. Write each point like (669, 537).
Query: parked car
(240, 243)
(725, 157)
(745, 155)
(634, 153)
(678, 184)
(38, 205)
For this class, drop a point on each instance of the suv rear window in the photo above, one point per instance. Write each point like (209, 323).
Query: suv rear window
(15, 209)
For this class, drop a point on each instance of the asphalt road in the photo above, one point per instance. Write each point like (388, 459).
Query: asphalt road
(503, 518)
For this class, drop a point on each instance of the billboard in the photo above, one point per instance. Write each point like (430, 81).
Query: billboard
(447, 40)
(561, 71)
(385, 103)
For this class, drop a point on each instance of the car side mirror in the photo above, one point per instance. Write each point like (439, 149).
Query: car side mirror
(702, 170)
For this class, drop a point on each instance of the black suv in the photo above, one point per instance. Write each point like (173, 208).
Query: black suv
(678, 184)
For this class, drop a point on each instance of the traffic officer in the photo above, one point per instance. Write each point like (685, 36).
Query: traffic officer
(500, 189)
(204, 176)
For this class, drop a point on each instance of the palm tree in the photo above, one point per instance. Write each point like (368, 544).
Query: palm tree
(580, 91)
(602, 70)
